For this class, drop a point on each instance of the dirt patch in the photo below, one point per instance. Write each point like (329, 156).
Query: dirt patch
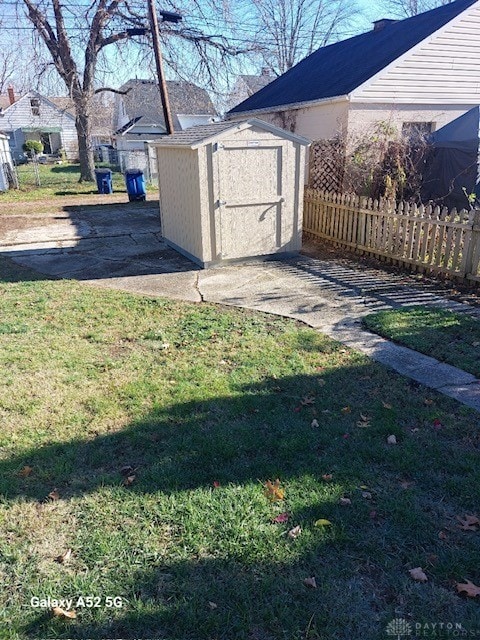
(19, 222)
(58, 204)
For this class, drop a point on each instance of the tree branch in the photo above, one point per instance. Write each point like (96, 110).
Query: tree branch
(122, 93)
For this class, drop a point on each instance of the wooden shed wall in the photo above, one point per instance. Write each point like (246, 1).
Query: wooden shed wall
(180, 198)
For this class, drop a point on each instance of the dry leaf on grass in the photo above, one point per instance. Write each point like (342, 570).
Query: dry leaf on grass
(346, 410)
(442, 535)
(418, 574)
(25, 472)
(307, 400)
(129, 480)
(273, 491)
(322, 523)
(213, 605)
(62, 613)
(281, 518)
(468, 588)
(314, 423)
(54, 495)
(468, 523)
(367, 495)
(364, 421)
(345, 502)
(65, 557)
(310, 582)
(386, 405)
(392, 439)
(295, 532)
(327, 477)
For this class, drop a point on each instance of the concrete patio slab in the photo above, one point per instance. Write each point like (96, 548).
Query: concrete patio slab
(121, 248)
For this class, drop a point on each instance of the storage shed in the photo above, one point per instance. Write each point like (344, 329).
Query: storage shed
(231, 190)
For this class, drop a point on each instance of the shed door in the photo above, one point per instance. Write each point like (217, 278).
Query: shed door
(250, 188)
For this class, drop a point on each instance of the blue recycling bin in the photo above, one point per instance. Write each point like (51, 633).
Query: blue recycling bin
(104, 180)
(135, 181)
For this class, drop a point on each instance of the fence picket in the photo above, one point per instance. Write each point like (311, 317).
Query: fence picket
(424, 237)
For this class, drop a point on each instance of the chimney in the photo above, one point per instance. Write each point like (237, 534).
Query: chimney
(11, 94)
(378, 25)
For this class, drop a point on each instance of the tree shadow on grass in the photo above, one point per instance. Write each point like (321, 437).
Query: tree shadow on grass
(261, 432)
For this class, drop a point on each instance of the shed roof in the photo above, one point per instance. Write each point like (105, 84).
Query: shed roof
(339, 68)
(194, 137)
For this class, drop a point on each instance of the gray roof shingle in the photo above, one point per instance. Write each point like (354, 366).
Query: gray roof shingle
(194, 135)
(143, 100)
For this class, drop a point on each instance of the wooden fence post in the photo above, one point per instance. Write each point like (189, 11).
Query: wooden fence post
(472, 252)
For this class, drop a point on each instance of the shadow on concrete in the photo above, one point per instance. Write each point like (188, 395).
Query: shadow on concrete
(93, 242)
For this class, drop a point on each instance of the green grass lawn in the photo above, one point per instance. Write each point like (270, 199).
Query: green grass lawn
(55, 180)
(444, 335)
(154, 425)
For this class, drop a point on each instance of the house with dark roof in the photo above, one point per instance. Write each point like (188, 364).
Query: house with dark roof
(414, 74)
(138, 113)
(35, 117)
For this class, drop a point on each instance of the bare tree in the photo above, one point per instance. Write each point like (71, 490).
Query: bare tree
(408, 8)
(76, 37)
(49, 20)
(7, 59)
(289, 30)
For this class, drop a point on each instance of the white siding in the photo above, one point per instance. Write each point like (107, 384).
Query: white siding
(19, 115)
(318, 122)
(443, 70)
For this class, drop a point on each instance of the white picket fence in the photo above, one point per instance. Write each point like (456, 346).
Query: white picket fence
(426, 238)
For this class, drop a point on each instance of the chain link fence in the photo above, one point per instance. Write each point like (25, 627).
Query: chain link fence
(63, 176)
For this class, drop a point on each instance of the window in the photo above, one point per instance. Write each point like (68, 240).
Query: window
(416, 130)
(35, 106)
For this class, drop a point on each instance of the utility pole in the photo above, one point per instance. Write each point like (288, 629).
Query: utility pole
(162, 85)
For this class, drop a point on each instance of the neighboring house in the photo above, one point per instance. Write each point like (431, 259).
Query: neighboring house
(138, 114)
(246, 85)
(34, 117)
(413, 75)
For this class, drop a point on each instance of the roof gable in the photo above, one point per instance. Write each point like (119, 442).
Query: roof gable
(47, 101)
(338, 69)
(143, 100)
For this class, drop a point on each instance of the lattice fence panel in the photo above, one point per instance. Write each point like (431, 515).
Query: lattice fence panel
(327, 165)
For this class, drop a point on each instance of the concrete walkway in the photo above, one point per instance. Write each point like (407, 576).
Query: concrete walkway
(121, 248)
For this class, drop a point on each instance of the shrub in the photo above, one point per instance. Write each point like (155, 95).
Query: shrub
(32, 147)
